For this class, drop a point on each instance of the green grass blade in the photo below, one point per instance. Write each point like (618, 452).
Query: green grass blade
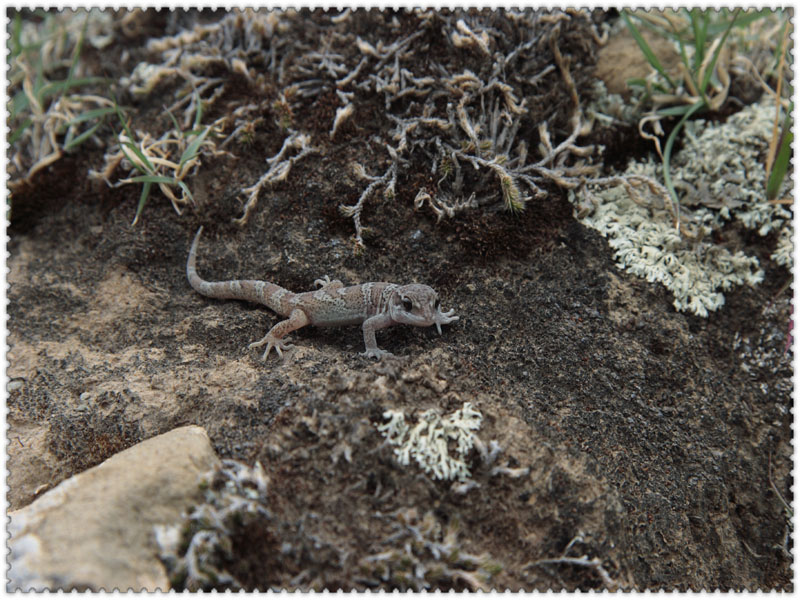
(712, 65)
(645, 48)
(17, 133)
(18, 104)
(40, 80)
(672, 34)
(782, 160)
(674, 111)
(142, 202)
(58, 87)
(92, 114)
(186, 191)
(16, 36)
(81, 138)
(153, 179)
(637, 81)
(194, 131)
(193, 148)
(779, 50)
(76, 54)
(781, 166)
(684, 57)
(121, 117)
(700, 21)
(668, 148)
(175, 123)
(744, 20)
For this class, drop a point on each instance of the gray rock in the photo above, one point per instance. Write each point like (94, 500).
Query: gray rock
(96, 529)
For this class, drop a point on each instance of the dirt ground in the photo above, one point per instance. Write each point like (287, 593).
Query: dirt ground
(655, 440)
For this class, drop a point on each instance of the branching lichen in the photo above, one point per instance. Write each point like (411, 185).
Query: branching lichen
(440, 445)
(464, 111)
(279, 167)
(194, 550)
(594, 564)
(461, 111)
(424, 554)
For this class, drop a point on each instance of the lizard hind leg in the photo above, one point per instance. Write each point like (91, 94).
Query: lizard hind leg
(274, 338)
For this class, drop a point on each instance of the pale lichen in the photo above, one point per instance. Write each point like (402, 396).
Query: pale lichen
(721, 167)
(438, 444)
(784, 250)
(647, 245)
(719, 177)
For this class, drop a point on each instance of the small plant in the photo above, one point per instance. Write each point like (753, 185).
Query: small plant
(165, 162)
(780, 148)
(50, 110)
(247, 134)
(284, 117)
(705, 58)
(583, 561)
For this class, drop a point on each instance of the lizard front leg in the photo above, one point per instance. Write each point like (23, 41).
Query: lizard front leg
(273, 339)
(328, 284)
(369, 327)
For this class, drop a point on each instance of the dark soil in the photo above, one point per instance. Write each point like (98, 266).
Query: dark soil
(657, 438)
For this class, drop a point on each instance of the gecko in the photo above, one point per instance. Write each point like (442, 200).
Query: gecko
(375, 305)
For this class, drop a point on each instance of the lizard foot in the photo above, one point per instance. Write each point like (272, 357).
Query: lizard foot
(376, 353)
(271, 342)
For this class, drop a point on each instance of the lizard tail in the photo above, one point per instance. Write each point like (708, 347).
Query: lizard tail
(261, 292)
(195, 280)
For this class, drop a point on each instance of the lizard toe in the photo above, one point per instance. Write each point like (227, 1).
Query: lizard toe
(278, 344)
(258, 344)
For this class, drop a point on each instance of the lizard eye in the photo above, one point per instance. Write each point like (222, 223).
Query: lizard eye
(408, 306)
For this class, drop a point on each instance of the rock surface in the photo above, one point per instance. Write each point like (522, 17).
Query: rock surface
(95, 530)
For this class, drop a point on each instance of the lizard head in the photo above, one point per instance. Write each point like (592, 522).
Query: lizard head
(418, 305)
